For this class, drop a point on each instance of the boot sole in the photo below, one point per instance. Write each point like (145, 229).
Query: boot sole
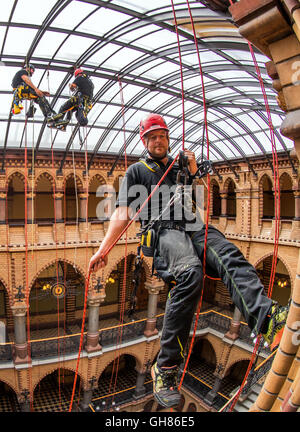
(157, 398)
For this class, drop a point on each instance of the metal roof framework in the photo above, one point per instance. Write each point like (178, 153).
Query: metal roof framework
(136, 44)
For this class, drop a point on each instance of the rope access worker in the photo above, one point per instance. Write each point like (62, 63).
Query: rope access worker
(25, 89)
(178, 255)
(80, 102)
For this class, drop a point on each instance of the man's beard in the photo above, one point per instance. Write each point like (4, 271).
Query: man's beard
(158, 157)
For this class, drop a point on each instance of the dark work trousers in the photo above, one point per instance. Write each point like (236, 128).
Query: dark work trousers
(178, 257)
(76, 104)
(240, 277)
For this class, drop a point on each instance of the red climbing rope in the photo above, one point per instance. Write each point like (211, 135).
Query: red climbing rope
(56, 259)
(277, 216)
(181, 76)
(124, 285)
(208, 199)
(26, 270)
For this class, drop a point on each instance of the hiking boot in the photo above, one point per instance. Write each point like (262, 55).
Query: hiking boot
(276, 325)
(165, 386)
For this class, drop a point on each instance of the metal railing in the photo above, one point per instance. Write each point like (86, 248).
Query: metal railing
(118, 334)
(254, 376)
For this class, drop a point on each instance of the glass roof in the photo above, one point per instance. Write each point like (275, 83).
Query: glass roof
(130, 50)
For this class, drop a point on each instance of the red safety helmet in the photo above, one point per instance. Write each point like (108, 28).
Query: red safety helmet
(78, 72)
(150, 123)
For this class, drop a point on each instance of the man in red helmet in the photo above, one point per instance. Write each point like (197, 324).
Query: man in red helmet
(80, 102)
(178, 253)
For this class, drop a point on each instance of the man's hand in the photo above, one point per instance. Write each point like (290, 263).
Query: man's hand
(97, 262)
(192, 164)
(39, 92)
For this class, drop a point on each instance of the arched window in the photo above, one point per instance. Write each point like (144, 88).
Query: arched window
(216, 200)
(287, 199)
(44, 202)
(231, 199)
(267, 196)
(16, 200)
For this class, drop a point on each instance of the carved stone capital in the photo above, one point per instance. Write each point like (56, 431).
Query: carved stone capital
(19, 309)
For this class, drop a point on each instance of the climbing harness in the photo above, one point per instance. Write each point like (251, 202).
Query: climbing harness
(81, 105)
(150, 232)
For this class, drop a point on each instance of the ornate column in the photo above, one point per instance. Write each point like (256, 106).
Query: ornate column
(2, 208)
(83, 217)
(59, 196)
(30, 211)
(82, 207)
(21, 346)
(24, 400)
(233, 332)
(94, 301)
(211, 395)
(154, 286)
(297, 205)
(140, 390)
(223, 196)
(87, 394)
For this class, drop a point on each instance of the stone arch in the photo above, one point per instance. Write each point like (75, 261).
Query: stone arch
(45, 266)
(227, 183)
(53, 369)
(78, 179)
(98, 177)
(282, 260)
(5, 285)
(12, 385)
(18, 174)
(146, 265)
(139, 362)
(98, 191)
(204, 340)
(16, 197)
(45, 186)
(280, 293)
(48, 176)
(231, 365)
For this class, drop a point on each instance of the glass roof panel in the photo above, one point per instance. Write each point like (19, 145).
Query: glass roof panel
(73, 47)
(72, 15)
(136, 42)
(102, 21)
(49, 44)
(18, 40)
(31, 11)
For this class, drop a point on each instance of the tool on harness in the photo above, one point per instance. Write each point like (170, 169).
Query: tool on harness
(138, 265)
(150, 232)
(84, 106)
(204, 168)
(183, 172)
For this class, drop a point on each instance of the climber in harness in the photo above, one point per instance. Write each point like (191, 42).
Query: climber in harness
(81, 102)
(178, 250)
(24, 88)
